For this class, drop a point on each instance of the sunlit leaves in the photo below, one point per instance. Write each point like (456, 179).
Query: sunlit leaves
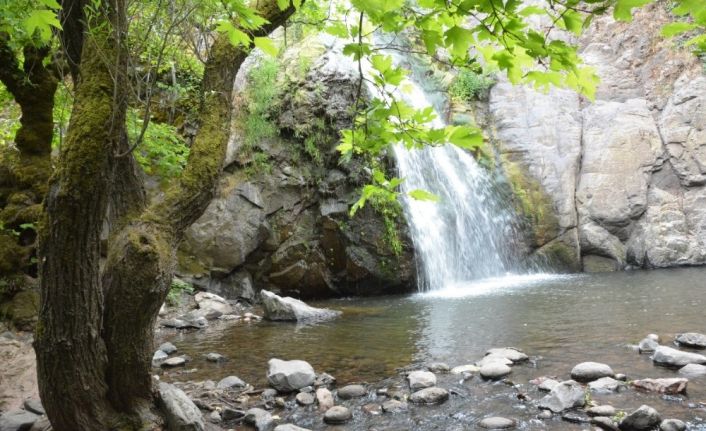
(623, 8)
(695, 28)
(266, 45)
(41, 21)
(423, 195)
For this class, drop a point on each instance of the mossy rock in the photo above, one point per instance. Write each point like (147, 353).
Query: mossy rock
(22, 310)
(12, 255)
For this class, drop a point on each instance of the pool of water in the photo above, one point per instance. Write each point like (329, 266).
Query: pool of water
(559, 320)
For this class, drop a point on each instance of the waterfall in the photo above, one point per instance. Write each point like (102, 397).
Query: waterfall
(472, 232)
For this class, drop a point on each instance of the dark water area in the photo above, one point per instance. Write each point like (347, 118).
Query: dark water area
(558, 321)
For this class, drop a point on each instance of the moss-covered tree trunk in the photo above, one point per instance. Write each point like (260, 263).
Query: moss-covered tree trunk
(94, 341)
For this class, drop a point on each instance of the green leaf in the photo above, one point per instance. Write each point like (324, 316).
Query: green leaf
(266, 45)
(458, 40)
(235, 36)
(423, 195)
(465, 137)
(623, 8)
(51, 4)
(338, 29)
(573, 22)
(675, 28)
(41, 21)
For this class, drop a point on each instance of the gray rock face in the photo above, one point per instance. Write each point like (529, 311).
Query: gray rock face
(433, 395)
(290, 309)
(644, 418)
(337, 415)
(668, 357)
(589, 371)
(497, 423)
(421, 379)
(288, 376)
(692, 339)
(181, 413)
(17, 420)
(564, 396)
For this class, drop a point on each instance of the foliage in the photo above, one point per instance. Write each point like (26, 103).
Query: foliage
(29, 21)
(178, 287)
(470, 85)
(693, 26)
(9, 117)
(162, 151)
(259, 98)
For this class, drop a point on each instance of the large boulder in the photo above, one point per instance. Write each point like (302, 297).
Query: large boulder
(694, 340)
(290, 309)
(17, 420)
(589, 371)
(181, 413)
(288, 376)
(642, 419)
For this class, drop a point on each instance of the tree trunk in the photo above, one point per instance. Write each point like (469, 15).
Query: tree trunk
(71, 355)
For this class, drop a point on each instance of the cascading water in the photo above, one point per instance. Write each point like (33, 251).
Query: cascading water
(472, 232)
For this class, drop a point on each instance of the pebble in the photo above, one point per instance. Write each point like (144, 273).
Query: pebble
(545, 414)
(259, 418)
(672, 425)
(644, 418)
(394, 406)
(174, 362)
(289, 427)
(604, 422)
(511, 353)
(372, 409)
(604, 410)
(324, 398)
(230, 382)
(229, 414)
(158, 357)
(168, 348)
(439, 367)
(351, 391)
(494, 370)
(214, 417)
(470, 368)
(433, 395)
(305, 398)
(590, 371)
(337, 415)
(215, 357)
(497, 423)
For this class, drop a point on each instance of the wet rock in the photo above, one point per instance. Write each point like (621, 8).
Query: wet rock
(214, 417)
(290, 309)
(229, 414)
(670, 357)
(288, 376)
(290, 427)
(421, 379)
(372, 409)
(495, 370)
(305, 398)
(545, 384)
(511, 353)
(590, 371)
(672, 425)
(175, 323)
(647, 345)
(337, 415)
(324, 379)
(259, 418)
(212, 302)
(231, 382)
(461, 369)
(693, 370)
(644, 418)
(158, 357)
(544, 414)
(622, 377)
(653, 337)
(215, 357)
(174, 362)
(168, 348)
(692, 339)
(34, 406)
(564, 396)
(439, 367)
(494, 359)
(606, 385)
(324, 398)
(604, 410)
(351, 391)
(575, 417)
(394, 406)
(604, 422)
(433, 395)
(663, 386)
(180, 412)
(497, 423)
(42, 424)
(17, 420)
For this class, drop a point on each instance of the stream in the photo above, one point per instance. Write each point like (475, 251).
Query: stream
(558, 320)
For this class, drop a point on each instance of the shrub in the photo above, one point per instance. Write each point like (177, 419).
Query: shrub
(470, 85)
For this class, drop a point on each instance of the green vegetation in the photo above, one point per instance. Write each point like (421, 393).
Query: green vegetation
(259, 99)
(470, 85)
(177, 288)
(162, 151)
